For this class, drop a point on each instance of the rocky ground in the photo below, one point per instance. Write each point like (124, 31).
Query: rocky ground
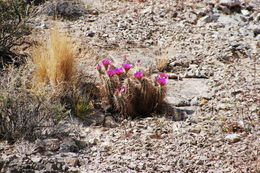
(209, 48)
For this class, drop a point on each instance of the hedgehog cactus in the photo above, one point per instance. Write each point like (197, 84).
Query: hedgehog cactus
(132, 93)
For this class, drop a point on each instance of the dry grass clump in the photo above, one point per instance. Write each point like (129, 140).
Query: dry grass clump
(130, 91)
(162, 63)
(55, 66)
(54, 60)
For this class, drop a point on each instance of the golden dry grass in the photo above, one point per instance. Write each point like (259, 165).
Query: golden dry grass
(54, 60)
(162, 63)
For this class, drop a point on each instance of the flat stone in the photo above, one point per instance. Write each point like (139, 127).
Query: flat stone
(195, 130)
(230, 3)
(186, 90)
(226, 19)
(232, 138)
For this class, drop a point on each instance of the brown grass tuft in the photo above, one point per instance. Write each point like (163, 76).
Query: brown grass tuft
(162, 63)
(54, 60)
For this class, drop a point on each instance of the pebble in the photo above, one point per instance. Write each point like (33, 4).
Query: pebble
(36, 159)
(232, 138)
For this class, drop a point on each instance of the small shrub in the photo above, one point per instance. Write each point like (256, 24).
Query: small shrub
(23, 112)
(130, 91)
(13, 27)
(55, 60)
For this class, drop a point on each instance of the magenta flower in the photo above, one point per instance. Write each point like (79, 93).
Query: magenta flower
(164, 75)
(111, 72)
(127, 66)
(161, 80)
(117, 91)
(106, 62)
(138, 75)
(119, 70)
(123, 88)
(98, 67)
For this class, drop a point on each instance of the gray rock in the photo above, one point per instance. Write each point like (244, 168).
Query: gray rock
(51, 167)
(230, 3)
(62, 8)
(50, 144)
(207, 19)
(227, 20)
(180, 101)
(69, 145)
(202, 12)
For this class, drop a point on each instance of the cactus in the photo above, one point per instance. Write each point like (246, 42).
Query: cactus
(131, 94)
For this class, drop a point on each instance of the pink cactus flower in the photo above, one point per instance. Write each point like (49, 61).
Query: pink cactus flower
(138, 75)
(127, 66)
(117, 91)
(111, 72)
(98, 67)
(123, 88)
(161, 80)
(106, 62)
(119, 71)
(164, 75)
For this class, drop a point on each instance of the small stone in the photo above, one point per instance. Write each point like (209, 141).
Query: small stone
(232, 138)
(132, 165)
(223, 106)
(69, 145)
(36, 159)
(106, 146)
(51, 166)
(195, 130)
(172, 76)
(207, 19)
(257, 17)
(73, 169)
(93, 141)
(74, 162)
(245, 12)
(166, 168)
(256, 31)
(194, 101)
(90, 34)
